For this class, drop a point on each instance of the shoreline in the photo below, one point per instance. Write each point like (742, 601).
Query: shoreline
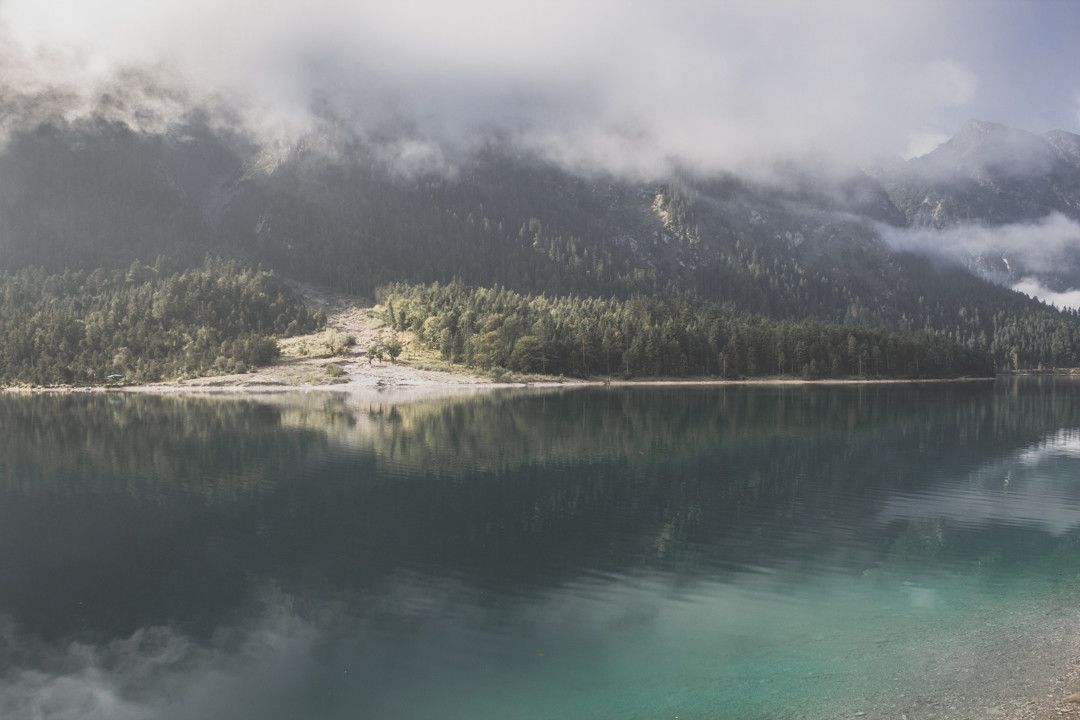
(324, 362)
(460, 382)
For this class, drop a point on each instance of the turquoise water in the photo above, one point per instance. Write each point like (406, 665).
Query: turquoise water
(740, 552)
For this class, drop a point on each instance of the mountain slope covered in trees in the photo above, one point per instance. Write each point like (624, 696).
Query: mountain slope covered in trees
(804, 246)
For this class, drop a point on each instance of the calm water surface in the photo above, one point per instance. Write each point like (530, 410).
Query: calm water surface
(745, 552)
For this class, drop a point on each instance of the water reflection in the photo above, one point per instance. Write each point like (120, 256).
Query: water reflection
(597, 553)
(1038, 486)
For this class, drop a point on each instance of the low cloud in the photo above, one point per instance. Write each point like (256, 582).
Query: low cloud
(924, 141)
(1041, 247)
(1070, 299)
(633, 87)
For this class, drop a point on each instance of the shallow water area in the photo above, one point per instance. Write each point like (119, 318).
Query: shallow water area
(651, 552)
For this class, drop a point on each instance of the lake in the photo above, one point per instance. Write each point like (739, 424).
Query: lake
(650, 552)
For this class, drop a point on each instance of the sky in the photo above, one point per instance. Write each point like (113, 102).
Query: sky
(631, 87)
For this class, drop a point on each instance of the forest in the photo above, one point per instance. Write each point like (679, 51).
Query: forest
(658, 336)
(145, 323)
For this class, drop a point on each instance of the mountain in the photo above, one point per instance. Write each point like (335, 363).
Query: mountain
(805, 245)
(993, 175)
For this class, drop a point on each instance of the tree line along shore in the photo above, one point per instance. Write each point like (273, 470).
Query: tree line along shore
(162, 321)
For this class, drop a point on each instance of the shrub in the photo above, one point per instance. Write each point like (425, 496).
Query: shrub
(393, 347)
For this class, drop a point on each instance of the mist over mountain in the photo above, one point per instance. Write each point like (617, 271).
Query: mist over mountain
(992, 174)
(630, 88)
(370, 151)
